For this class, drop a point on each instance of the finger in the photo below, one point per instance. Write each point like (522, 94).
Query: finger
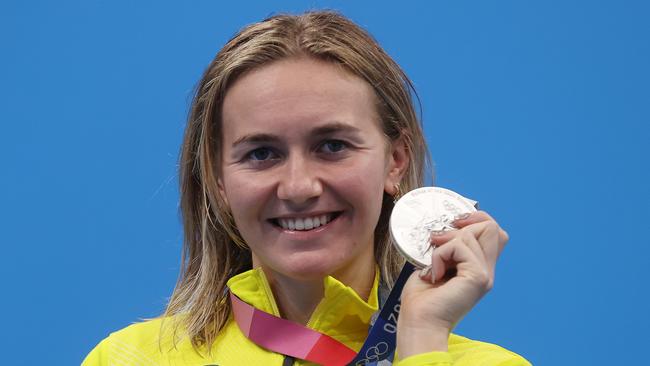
(487, 234)
(466, 236)
(472, 243)
(438, 238)
(456, 254)
(452, 254)
(478, 217)
(464, 220)
(471, 218)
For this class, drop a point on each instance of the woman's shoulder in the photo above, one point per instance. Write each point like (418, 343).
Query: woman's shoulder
(467, 352)
(147, 342)
(471, 351)
(142, 333)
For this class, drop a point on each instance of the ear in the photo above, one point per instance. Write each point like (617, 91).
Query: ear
(398, 161)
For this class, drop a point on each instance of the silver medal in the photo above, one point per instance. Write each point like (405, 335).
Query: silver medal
(420, 212)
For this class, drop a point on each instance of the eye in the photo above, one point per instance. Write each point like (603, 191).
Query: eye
(333, 146)
(261, 154)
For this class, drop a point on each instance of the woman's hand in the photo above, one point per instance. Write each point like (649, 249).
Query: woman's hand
(436, 298)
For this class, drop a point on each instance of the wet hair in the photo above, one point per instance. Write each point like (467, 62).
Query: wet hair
(213, 250)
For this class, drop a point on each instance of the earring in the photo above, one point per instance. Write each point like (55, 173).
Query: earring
(398, 192)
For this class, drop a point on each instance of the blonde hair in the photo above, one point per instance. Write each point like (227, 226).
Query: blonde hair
(213, 250)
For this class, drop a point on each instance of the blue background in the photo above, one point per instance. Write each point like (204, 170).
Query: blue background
(539, 110)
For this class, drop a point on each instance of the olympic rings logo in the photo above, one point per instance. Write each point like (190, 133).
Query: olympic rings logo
(374, 353)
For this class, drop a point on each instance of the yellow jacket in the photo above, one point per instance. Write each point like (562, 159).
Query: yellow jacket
(342, 314)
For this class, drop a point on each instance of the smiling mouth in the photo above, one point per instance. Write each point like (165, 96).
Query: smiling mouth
(305, 223)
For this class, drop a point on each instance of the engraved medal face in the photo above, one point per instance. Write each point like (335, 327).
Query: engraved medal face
(420, 212)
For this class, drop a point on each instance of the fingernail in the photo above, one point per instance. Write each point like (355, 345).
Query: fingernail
(462, 216)
(437, 232)
(425, 272)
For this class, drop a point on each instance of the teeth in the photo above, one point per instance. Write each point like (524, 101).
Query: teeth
(309, 224)
(306, 223)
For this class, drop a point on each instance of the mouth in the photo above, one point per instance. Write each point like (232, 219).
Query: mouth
(306, 223)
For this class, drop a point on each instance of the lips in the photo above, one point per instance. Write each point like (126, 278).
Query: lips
(305, 223)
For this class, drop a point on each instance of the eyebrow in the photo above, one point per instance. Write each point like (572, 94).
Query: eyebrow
(255, 138)
(326, 129)
(334, 127)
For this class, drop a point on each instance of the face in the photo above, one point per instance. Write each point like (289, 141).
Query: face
(305, 165)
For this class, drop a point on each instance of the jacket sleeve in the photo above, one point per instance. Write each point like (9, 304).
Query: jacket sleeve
(482, 358)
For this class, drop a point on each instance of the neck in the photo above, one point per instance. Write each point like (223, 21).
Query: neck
(298, 298)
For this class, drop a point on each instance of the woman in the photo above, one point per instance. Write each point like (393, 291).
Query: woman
(301, 135)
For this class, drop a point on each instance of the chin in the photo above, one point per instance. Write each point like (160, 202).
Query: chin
(309, 266)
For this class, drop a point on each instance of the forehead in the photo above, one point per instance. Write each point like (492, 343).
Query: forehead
(297, 93)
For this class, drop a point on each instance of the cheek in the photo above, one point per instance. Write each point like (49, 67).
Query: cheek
(364, 186)
(243, 195)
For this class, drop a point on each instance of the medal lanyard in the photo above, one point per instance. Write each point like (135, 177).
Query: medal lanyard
(295, 340)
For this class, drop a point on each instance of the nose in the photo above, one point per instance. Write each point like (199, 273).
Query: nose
(299, 183)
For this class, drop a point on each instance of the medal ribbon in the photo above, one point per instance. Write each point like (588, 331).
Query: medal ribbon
(295, 340)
